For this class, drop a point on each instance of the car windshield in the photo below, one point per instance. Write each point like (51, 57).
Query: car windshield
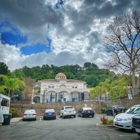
(68, 107)
(87, 108)
(133, 110)
(29, 111)
(49, 110)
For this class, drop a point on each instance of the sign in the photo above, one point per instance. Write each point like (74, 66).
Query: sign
(73, 99)
(78, 102)
(130, 96)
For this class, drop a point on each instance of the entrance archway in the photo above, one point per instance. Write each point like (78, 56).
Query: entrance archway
(36, 99)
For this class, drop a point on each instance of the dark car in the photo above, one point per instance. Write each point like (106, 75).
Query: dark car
(86, 112)
(136, 123)
(117, 109)
(49, 114)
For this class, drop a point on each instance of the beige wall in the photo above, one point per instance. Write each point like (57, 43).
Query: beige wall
(40, 107)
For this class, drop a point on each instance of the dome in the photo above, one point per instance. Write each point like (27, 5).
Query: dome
(60, 76)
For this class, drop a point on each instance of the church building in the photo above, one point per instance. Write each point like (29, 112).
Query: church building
(59, 89)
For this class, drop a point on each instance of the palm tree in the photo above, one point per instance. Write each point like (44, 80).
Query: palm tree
(10, 84)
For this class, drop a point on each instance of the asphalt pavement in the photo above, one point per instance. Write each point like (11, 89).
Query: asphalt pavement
(64, 129)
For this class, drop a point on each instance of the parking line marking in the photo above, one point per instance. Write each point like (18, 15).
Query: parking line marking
(58, 118)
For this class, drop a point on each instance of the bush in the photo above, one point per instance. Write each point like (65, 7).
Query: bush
(104, 119)
(103, 110)
(14, 112)
(110, 122)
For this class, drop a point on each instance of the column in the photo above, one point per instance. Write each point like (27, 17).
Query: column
(55, 97)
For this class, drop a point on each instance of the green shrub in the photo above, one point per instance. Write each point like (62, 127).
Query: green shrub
(104, 119)
(12, 111)
(103, 110)
(110, 122)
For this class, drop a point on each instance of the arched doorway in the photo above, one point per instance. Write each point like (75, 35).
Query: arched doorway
(36, 99)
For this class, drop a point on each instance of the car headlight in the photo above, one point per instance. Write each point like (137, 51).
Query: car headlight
(127, 119)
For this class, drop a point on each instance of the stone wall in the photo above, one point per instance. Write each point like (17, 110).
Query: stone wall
(40, 107)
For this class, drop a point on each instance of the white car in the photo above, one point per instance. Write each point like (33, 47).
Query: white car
(67, 111)
(29, 114)
(124, 120)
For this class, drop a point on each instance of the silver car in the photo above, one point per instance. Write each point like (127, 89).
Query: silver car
(124, 120)
(29, 114)
(67, 111)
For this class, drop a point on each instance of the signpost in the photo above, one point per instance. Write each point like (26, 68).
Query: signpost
(130, 98)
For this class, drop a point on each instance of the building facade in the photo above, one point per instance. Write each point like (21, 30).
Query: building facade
(59, 89)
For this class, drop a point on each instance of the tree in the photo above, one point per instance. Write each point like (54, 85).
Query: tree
(116, 88)
(3, 68)
(123, 43)
(88, 65)
(11, 83)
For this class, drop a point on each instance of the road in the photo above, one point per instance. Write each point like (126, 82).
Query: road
(64, 129)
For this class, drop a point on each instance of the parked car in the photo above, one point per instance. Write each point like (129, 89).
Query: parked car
(67, 111)
(86, 112)
(124, 120)
(49, 114)
(29, 114)
(117, 109)
(136, 123)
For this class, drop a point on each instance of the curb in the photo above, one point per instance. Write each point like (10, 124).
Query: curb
(100, 124)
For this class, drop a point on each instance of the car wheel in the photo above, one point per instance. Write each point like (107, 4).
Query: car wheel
(92, 116)
(35, 119)
(74, 116)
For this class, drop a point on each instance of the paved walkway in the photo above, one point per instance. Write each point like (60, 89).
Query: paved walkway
(16, 119)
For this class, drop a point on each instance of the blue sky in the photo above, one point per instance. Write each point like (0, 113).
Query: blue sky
(15, 37)
(58, 32)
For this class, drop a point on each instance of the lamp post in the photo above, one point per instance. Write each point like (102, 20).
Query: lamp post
(32, 95)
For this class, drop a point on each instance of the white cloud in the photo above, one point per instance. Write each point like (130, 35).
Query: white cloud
(12, 56)
(75, 29)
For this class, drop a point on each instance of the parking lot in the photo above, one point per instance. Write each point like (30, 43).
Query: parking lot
(64, 129)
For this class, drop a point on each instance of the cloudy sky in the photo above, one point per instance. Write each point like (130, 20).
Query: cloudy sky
(58, 32)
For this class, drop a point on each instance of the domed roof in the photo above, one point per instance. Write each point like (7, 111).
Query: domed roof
(60, 76)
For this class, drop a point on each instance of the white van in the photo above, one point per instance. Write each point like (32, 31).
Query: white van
(4, 106)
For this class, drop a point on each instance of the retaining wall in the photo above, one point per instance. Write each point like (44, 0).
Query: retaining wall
(40, 107)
